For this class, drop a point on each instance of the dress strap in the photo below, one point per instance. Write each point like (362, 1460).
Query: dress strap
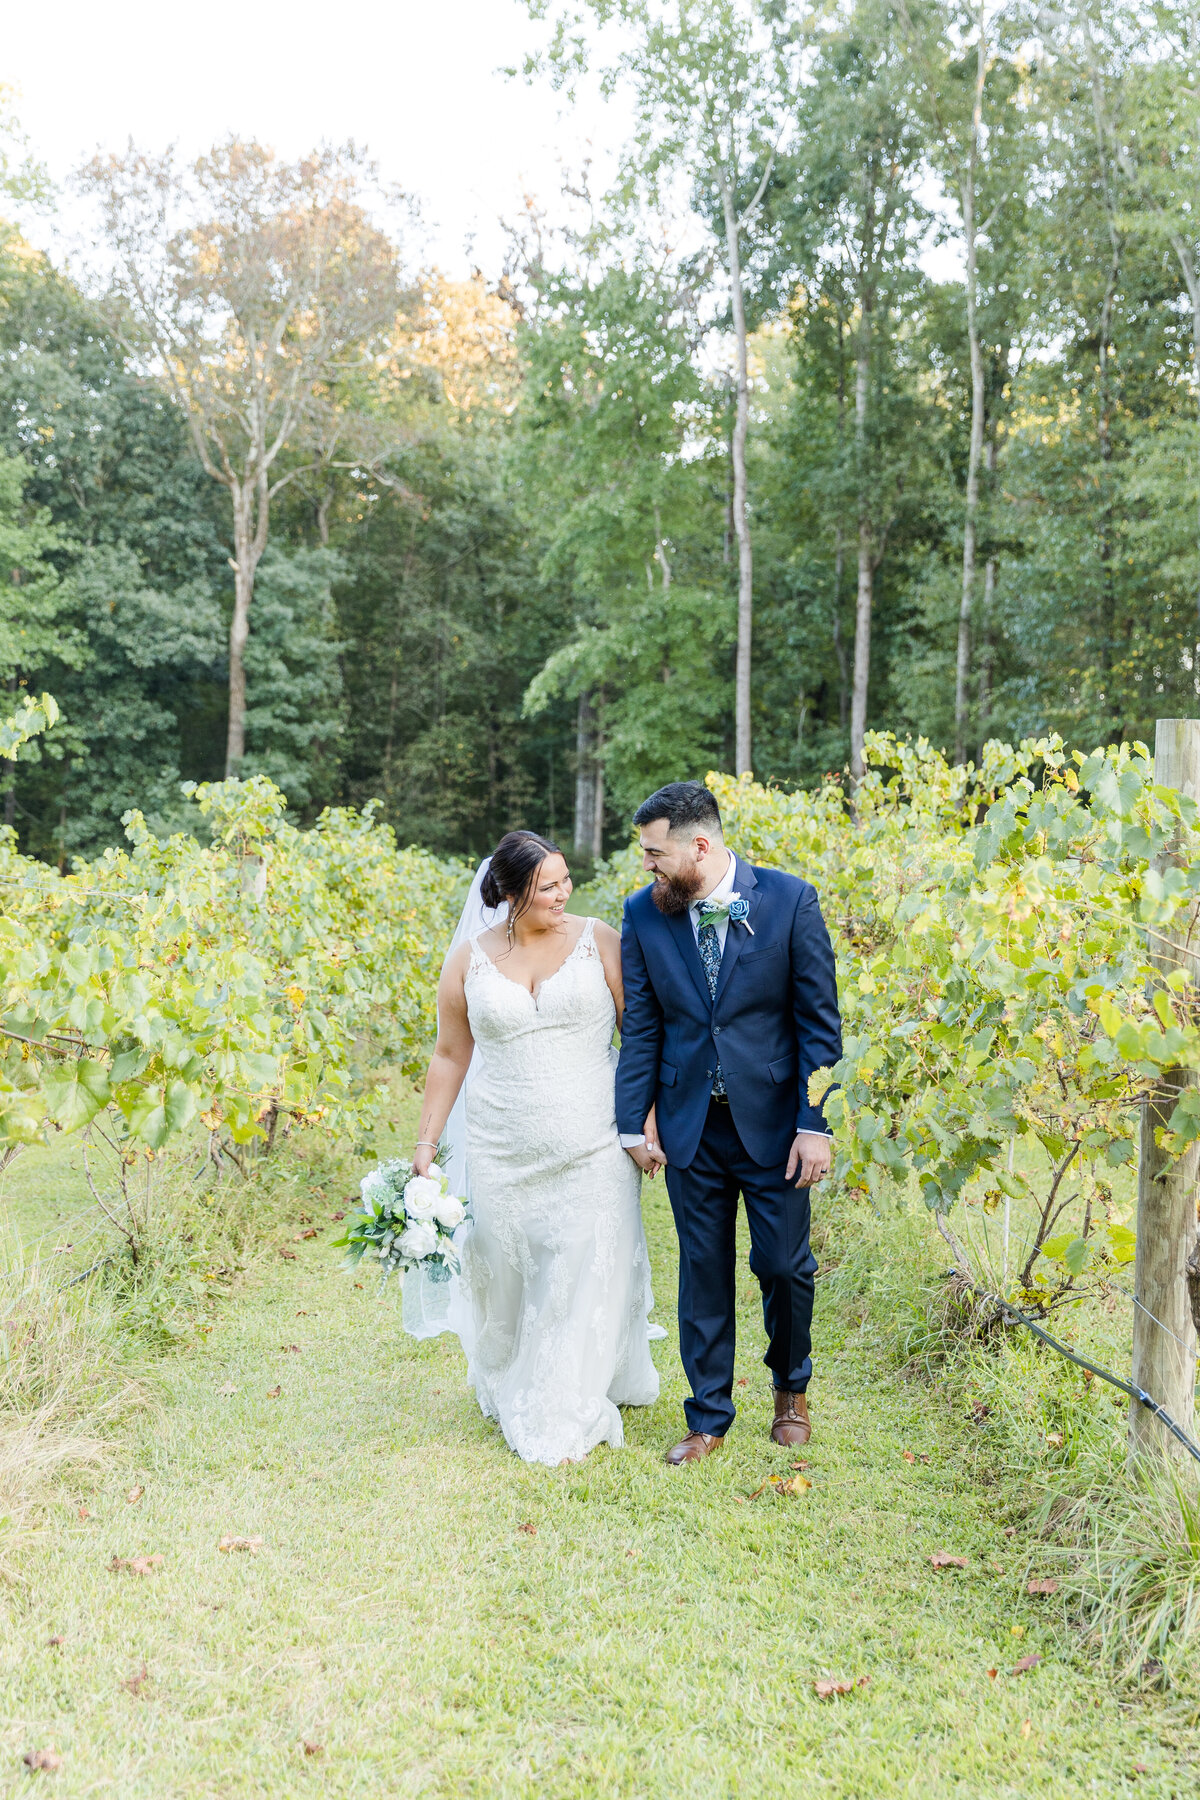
(478, 956)
(587, 937)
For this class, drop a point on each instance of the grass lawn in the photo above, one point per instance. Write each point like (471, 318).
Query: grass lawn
(434, 1618)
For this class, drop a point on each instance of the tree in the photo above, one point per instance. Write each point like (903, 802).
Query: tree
(708, 82)
(851, 188)
(253, 287)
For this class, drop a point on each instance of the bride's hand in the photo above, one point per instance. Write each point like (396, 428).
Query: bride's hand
(422, 1159)
(652, 1144)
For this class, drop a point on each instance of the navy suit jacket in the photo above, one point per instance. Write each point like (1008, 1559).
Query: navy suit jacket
(773, 1020)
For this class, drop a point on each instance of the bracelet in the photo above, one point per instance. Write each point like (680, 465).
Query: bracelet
(426, 1143)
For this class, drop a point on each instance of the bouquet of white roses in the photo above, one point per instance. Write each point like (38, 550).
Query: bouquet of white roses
(405, 1221)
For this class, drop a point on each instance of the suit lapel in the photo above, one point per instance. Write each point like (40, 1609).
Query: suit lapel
(736, 935)
(680, 929)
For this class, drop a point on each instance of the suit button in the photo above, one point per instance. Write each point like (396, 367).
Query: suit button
(708, 1074)
(716, 1028)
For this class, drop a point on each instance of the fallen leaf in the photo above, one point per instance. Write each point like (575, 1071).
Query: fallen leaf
(54, 1642)
(908, 1456)
(739, 1499)
(337, 1215)
(84, 1513)
(135, 1494)
(312, 1232)
(743, 1380)
(761, 1489)
(980, 1411)
(827, 1690)
(992, 1674)
(304, 1219)
(289, 1254)
(135, 1683)
(313, 1749)
(1010, 1531)
(228, 1388)
(1026, 1728)
(290, 1348)
(1026, 1663)
(529, 1530)
(1140, 1769)
(1017, 1630)
(1055, 1438)
(800, 1465)
(302, 1314)
(1045, 1584)
(274, 1393)
(922, 1457)
(996, 1568)
(252, 1544)
(942, 1559)
(799, 1484)
(42, 1759)
(358, 1284)
(137, 1565)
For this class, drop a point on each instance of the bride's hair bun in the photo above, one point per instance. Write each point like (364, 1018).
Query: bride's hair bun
(513, 870)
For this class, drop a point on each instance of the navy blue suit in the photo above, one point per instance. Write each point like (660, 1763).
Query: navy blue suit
(773, 1020)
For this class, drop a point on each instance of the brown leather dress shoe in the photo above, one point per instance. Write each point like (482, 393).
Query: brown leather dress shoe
(792, 1425)
(692, 1448)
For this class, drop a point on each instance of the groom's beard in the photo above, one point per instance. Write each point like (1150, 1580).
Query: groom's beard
(673, 894)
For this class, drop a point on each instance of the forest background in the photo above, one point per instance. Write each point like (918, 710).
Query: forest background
(719, 471)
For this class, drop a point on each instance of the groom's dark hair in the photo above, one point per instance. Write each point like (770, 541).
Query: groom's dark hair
(685, 805)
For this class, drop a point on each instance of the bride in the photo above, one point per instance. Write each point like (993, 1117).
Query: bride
(553, 1298)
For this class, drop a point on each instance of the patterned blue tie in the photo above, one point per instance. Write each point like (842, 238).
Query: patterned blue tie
(710, 955)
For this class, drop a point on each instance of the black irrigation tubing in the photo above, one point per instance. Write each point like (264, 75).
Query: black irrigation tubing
(76, 1279)
(1081, 1362)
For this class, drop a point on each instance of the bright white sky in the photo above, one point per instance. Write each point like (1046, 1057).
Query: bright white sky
(415, 80)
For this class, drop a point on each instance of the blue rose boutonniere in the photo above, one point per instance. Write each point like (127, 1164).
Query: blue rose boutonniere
(739, 912)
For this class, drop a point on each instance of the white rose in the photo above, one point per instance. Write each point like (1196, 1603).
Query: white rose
(417, 1241)
(449, 1211)
(374, 1190)
(421, 1196)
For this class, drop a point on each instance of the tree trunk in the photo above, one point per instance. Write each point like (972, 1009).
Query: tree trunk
(239, 632)
(962, 667)
(597, 845)
(1187, 263)
(839, 555)
(741, 525)
(250, 509)
(866, 564)
(987, 649)
(862, 651)
(1164, 1330)
(585, 777)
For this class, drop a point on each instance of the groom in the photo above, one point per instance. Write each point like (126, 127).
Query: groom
(730, 1004)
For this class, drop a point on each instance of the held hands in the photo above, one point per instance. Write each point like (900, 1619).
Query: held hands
(649, 1156)
(811, 1154)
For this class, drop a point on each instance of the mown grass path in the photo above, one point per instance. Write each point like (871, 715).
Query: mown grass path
(441, 1620)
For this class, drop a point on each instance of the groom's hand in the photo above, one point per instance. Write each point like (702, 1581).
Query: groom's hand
(811, 1153)
(648, 1157)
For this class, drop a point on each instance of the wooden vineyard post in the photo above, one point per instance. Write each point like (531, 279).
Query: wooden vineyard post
(1164, 1332)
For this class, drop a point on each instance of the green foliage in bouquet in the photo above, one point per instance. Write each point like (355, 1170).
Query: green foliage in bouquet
(403, 1221)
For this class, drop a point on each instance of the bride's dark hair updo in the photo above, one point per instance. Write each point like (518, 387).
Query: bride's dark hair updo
(513, 871)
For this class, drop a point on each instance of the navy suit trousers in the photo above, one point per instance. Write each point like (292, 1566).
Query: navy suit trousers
(704, 1199)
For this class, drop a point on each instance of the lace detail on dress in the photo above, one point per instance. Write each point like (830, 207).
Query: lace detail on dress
(555, 1272)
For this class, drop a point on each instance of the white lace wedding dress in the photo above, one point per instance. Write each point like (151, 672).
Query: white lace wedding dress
(555, 1290)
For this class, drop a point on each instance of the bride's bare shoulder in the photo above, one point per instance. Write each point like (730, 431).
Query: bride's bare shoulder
(606, 938)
